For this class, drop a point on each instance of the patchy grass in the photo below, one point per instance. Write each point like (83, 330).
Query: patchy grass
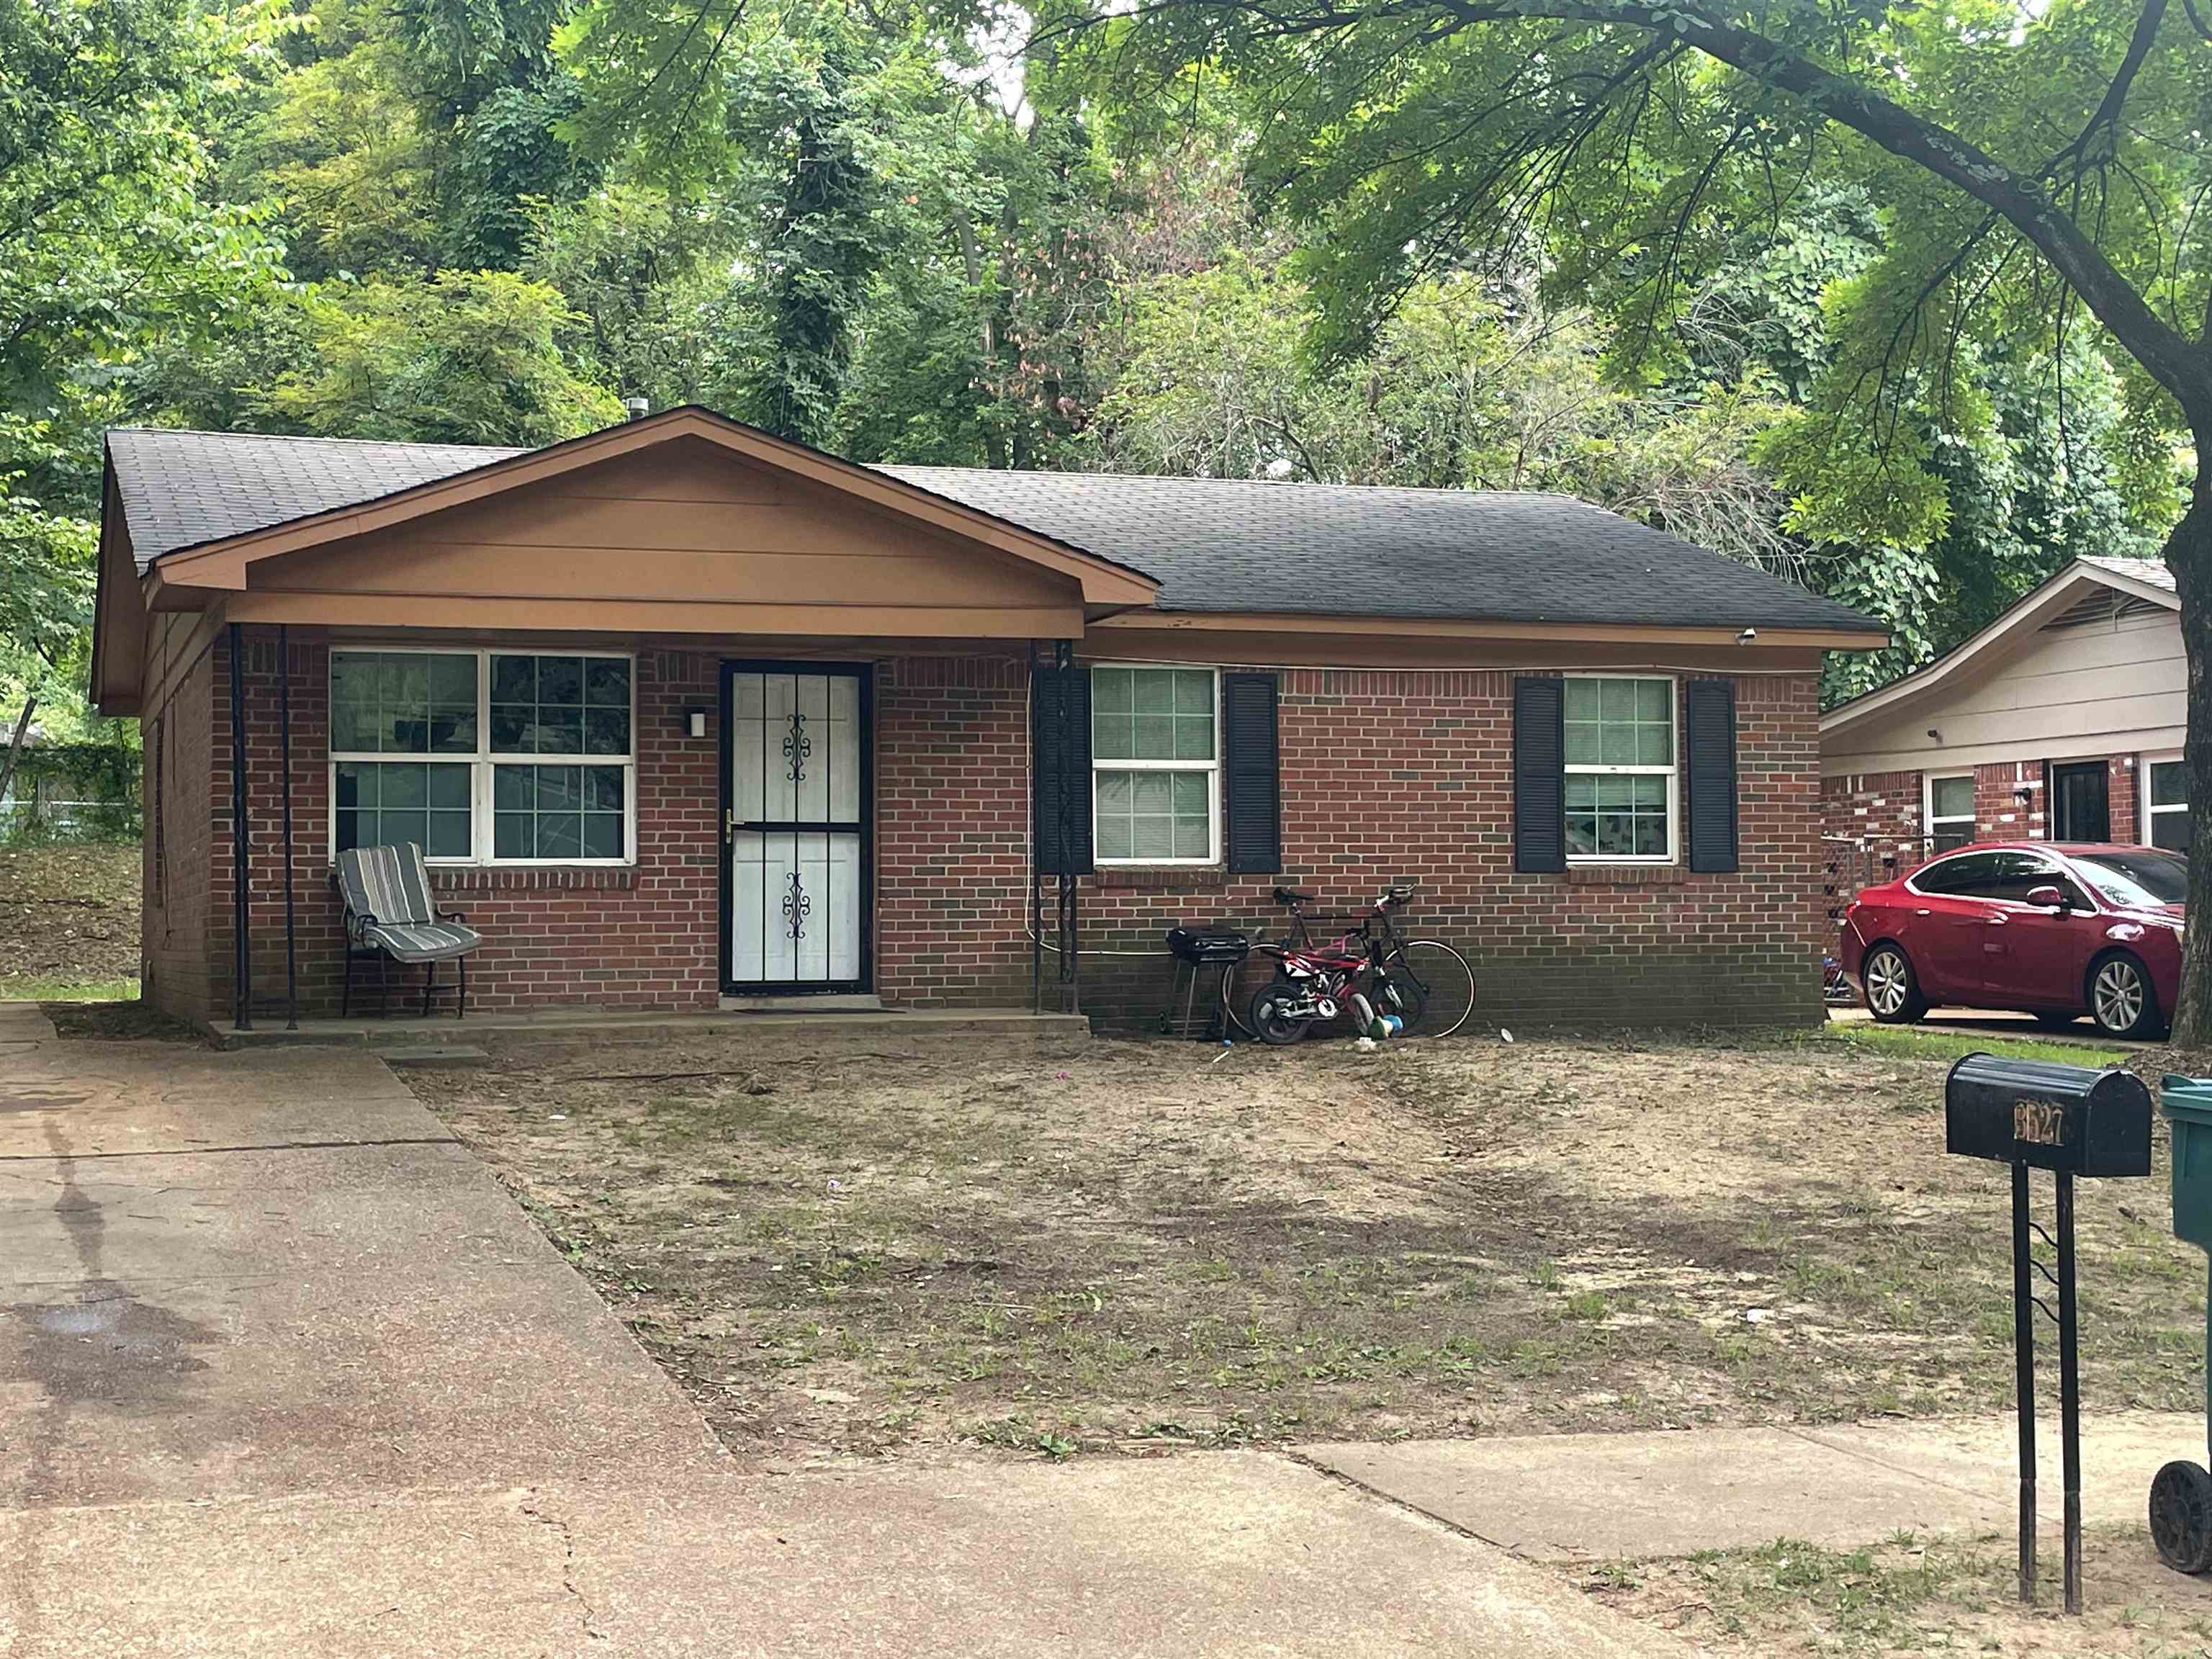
(1136, 1245)
(55, 987)
(1797, 1601)
(1913, 1042)
(69, 921)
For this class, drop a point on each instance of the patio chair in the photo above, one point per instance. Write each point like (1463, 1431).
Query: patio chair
(391, 917)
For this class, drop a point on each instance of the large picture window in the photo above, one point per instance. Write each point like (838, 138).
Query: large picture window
(1156, 764)
(485, 757)
(1620, 777)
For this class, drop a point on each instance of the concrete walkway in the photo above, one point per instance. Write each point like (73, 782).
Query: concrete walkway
(1601, 1497)
(284, 1372)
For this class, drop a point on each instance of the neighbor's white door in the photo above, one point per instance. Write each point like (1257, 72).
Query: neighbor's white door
(796, 863)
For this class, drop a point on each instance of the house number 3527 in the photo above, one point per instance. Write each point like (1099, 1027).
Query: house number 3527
(2042, 1122)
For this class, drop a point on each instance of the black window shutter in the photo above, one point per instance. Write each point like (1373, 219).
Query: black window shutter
(1252, 774)
(1708, 722)
(1539, 774)
(1059, 747)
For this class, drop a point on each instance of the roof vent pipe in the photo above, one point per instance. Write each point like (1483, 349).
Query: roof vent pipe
(637, 408)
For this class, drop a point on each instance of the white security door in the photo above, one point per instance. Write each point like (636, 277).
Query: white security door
(797, 868)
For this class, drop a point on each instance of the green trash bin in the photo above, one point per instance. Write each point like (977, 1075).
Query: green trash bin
(2181, 1495)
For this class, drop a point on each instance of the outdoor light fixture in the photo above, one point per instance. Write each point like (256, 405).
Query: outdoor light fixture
(695, 722)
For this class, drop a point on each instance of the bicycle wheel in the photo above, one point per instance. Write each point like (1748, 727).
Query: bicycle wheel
(1432, 985)
(1238, 981)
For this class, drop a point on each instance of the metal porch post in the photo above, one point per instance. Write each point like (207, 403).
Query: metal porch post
(241, 1006)
(1071, 964)
(284, 782)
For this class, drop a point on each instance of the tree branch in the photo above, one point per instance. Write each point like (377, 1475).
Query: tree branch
(2177, 363)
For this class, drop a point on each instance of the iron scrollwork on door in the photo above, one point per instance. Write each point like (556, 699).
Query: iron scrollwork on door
(797, 746)
(797, 906)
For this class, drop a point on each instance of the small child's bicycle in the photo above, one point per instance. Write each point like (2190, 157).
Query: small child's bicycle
(1368, 975)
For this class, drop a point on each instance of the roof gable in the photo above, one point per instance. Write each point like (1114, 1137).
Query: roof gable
(2090, 590)
(224, 490)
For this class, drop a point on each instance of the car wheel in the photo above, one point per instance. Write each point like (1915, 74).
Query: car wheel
(2121, 999)
(1892, 993)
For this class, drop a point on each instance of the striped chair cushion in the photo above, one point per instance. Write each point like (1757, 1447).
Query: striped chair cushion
(388, 883)
(422, 941)
(388, 905)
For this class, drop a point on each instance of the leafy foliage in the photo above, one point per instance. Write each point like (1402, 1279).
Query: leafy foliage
(469, 357)
(1467, 245)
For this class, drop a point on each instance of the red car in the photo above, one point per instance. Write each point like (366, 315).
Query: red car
(2053, 931)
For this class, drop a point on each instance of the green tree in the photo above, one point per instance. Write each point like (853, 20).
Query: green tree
(111, 240)
(471, 357)
(2036, 173)
(1463, 386)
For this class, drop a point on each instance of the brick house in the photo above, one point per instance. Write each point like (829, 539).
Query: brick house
(2062, 721)
(684, 714)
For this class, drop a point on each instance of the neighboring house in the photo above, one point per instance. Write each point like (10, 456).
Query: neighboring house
(2062, 721)
(683, 713)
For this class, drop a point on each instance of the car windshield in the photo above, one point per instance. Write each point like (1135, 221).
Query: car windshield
(2136, 878)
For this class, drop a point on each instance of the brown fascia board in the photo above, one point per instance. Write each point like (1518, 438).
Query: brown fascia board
(222, 564)
(1480, 628)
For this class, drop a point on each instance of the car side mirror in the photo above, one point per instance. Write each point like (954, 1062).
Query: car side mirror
(2049, 897)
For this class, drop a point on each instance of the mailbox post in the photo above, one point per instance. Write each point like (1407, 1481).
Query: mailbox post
(2073, 1121)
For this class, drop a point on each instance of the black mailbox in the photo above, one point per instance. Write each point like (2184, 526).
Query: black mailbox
(2067, 1118)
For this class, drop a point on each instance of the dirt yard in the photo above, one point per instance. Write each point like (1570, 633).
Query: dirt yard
(1907, 1594)
(1140, 1244)
(69, 921)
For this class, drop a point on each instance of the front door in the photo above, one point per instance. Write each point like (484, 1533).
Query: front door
(795, 792)
(2080, 808)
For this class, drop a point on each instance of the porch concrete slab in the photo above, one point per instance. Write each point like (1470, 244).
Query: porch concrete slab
(590, 1026)
(254, 1275)
(1219, 1554)
(1598, 1497)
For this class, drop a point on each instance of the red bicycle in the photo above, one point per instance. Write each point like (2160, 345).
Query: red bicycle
(1383, 984)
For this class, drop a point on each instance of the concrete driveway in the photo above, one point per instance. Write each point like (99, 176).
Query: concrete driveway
(284, 1371)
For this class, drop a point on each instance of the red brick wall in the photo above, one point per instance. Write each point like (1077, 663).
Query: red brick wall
(1880, 811)
(2001, 812)
(952, 824)
(1386, 777)
(174, 853)
(2121, 790)
(643, 937)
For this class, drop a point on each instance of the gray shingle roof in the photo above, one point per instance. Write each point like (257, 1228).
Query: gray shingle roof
(1341, 549)
(1213, 545)
(181, 489)
(2156, 573)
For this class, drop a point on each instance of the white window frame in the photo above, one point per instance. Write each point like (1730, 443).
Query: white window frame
(482, 759)
(1211, 768)
(2143, 764)
(1928, 820)
(1672, 773)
